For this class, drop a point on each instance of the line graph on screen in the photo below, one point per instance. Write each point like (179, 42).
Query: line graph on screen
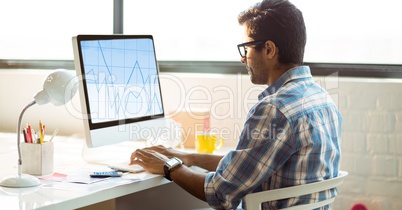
(122, 79)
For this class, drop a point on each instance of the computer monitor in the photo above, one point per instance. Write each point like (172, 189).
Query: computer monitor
(119, 88)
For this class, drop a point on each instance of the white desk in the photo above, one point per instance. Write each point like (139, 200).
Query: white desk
(152, 192)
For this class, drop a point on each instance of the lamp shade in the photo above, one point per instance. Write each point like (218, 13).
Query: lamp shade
(58, 88)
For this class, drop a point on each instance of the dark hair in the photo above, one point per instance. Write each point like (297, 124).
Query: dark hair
(282, 23)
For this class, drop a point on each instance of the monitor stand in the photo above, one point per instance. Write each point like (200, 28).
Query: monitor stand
(121, 152)
(111, 154)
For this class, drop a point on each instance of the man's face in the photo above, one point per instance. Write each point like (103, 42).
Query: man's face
(254, 61)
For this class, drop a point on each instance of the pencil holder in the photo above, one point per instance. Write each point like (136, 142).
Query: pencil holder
(37, 159)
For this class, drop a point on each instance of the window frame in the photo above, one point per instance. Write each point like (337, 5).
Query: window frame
(227, 67)
(215, 67)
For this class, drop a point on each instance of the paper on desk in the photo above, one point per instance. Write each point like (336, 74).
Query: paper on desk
(91, 188)
(79, 180)
(58, 177)
(137, 176)
(81, 176)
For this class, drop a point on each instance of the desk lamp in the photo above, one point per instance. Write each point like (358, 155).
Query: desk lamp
(58, 88)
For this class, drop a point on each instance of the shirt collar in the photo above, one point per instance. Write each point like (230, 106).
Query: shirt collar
(298, 72)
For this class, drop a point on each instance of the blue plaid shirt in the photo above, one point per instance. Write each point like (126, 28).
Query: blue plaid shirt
(291, 137)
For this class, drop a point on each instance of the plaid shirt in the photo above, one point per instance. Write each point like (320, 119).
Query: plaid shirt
(291, 137)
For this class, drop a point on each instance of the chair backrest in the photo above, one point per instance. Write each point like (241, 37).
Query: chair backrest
(254, 200)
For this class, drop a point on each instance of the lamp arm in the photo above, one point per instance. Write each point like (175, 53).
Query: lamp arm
(19, 135)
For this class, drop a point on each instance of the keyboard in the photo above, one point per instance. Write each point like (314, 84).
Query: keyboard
(124, 167)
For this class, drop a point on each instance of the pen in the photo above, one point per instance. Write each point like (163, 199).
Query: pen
(40, 132)
(37, 137)
(43, 131)
(54, 134)
(33, 136)
(25, 135)
(29, 134)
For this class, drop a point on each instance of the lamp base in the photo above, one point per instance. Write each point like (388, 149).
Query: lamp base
(20, 181)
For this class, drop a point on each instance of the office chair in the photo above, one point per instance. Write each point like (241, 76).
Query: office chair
(254, 200)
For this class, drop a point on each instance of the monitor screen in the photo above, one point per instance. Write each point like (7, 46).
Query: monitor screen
(119, 86)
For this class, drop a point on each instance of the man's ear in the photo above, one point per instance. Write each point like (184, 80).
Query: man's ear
(270, 49)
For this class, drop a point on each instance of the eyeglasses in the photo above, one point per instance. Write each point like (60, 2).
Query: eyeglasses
(242, 47)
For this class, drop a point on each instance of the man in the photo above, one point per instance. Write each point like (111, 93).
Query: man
(290, 137)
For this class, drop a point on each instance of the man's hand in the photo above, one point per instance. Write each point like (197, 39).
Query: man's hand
(153, 159)
(150, 160)
(170, 153)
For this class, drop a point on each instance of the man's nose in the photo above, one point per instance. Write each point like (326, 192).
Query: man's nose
(243, 59)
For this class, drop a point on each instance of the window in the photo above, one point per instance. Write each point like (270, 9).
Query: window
(342, 31)
(357, 31)
(42, 29)
(184, 30)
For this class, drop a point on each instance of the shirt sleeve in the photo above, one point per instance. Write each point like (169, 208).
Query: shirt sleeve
(258, 156)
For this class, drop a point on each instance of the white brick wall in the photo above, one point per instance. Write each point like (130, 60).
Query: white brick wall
(371, 108)
(372, 143)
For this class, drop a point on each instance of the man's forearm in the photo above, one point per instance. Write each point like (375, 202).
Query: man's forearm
(190, 180)
(205, 161)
